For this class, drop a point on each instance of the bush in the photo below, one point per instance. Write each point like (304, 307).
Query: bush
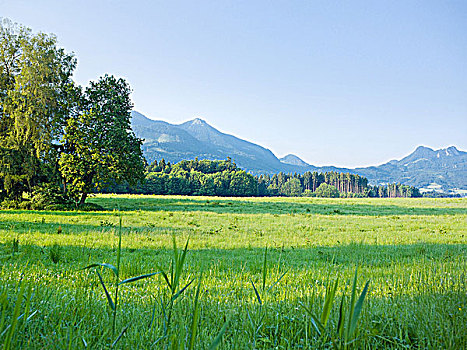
(90, 207)
(308, 193)
(51, 197)
(10, 204)
(328, 191)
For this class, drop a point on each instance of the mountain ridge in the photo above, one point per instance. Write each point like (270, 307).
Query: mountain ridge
(444, 169)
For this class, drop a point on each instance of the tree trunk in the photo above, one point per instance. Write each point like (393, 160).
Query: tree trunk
(83, 198)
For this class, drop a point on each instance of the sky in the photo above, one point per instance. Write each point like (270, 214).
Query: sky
(344, 83)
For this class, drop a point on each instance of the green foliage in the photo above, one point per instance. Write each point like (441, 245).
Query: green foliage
(51, 133)
(50, 196)
(206, 177)
(343, 335)
(327, 191)
(292, 188)
(35, 87)
(92, 160)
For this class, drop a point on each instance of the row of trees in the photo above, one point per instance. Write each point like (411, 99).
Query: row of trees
(224, 178)
(319, 184)
(193, 177)
(55, 136)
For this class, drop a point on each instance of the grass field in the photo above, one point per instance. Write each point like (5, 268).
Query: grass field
(412, 251)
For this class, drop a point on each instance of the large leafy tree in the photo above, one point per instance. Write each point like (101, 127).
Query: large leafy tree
(35, 90)
(99, 147)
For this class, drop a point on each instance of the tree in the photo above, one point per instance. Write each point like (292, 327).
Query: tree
(328, 191)
(35, 99)
(292, 187)
(99, 146)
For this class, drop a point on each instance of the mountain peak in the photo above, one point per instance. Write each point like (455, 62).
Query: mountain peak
(423, 148)
(198, 121)
(452, 151)
(292, 159)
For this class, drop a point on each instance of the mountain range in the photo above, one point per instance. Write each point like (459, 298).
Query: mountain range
(443, 170)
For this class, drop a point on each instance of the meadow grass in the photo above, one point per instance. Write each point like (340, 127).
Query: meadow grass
(413, 252)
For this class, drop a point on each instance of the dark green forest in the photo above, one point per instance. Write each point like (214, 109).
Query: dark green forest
(224, 178)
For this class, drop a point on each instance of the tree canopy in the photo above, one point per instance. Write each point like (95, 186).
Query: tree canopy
(50, 131)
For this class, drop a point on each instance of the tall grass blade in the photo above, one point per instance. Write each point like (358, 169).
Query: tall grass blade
(117, 276)
(194, 325)
(166, 278)
(328, 303)
(358, 309)
(265, 267)
(109, 298)
(180, 261)
(181, 290)
(341, 322)
(314, 320)
(14, 318)
(277, 281)
(137, 278)
(256, 292)
(108, 266)
(351, 305)
(217, 340)
(119, 336)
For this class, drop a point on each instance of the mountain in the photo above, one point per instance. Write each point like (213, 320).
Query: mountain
(292, 159)
(444, 169)
(197, 139)
(441, 170)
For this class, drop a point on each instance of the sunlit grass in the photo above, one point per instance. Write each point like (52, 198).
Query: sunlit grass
(413, 252)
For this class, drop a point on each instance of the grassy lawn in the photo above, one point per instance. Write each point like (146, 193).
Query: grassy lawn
(413, 252)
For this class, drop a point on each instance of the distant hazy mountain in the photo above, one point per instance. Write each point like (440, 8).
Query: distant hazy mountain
(292, 159)
(196, 138)
(443, 169)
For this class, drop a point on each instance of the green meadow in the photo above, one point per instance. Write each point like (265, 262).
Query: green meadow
(255, 276)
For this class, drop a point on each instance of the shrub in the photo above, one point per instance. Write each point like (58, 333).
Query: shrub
(49, 196)
(328, 191)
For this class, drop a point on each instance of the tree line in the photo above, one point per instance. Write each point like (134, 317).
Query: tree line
(194, 177)
(224, 178)
(329, 184)
(58, 140)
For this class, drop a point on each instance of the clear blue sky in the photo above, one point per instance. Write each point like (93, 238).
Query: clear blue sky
(346, 83)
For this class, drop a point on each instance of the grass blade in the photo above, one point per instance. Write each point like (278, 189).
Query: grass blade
(15, 316)
(137, 278)
(277, 281)
(109, 298)
(341, 322)
(217, 340)
(358, 309)
(351, 305)
(182, 290)
(165, 277)
(119, 336)
(328, 302)
(194, 325)
(256, 292)
(314, 320)
(265, 267)
(108, 266)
